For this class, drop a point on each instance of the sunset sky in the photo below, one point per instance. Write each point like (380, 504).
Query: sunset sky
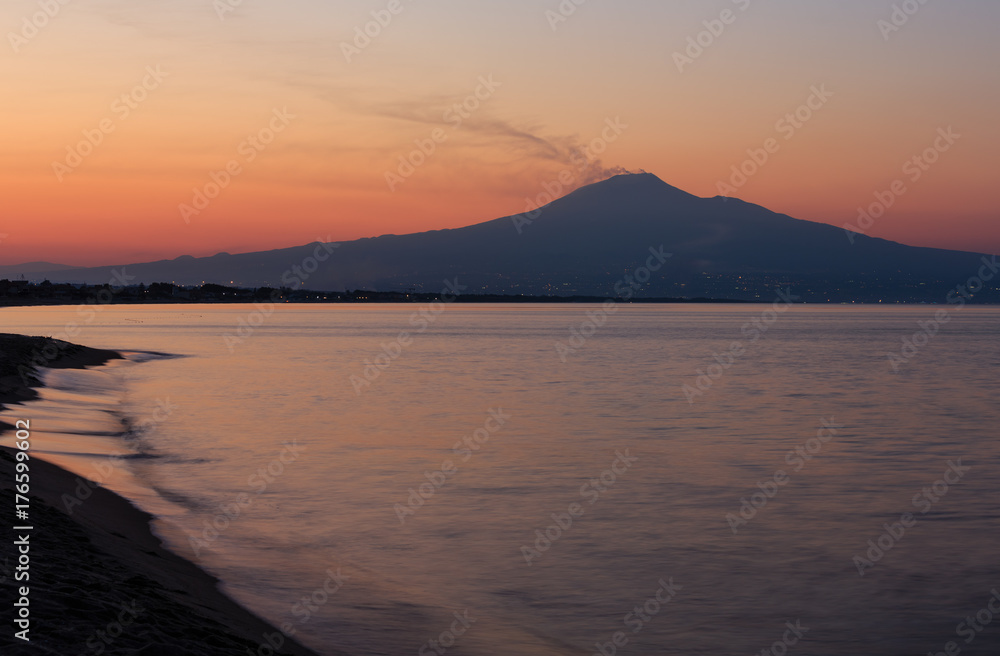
(217, 73)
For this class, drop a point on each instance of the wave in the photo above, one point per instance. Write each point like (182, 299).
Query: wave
(147, 356)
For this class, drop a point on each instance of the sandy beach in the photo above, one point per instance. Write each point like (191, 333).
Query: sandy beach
(100, 580)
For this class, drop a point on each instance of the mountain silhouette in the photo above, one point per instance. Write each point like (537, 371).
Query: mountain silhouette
(585, 243)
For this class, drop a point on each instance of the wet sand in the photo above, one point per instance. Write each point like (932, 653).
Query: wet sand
(100, 581)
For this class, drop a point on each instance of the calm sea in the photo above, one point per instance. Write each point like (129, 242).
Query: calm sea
(497, 484)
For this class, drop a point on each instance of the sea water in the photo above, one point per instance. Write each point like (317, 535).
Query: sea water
(557, 479)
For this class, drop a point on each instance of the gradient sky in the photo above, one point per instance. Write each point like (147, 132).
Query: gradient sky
(324, 174)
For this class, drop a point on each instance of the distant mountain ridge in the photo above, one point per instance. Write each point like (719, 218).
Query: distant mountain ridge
(35, 267)
(586, 242)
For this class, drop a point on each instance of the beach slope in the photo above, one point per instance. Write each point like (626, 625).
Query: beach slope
(100, 581)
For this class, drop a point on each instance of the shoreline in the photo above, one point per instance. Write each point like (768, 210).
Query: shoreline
(401, 299)
(471, 299)
(21, 356)
(97, 570)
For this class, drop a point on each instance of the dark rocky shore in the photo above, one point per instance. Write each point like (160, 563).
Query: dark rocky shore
(101, 582)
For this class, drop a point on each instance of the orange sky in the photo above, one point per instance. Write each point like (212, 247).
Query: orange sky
(339, 126)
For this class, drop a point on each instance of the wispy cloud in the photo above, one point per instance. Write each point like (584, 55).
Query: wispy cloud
(527, 144)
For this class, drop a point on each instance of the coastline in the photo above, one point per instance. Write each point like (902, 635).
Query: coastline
(101, 582)
(21, 356)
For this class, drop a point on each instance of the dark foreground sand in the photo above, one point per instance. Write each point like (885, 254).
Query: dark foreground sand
(100, 581)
